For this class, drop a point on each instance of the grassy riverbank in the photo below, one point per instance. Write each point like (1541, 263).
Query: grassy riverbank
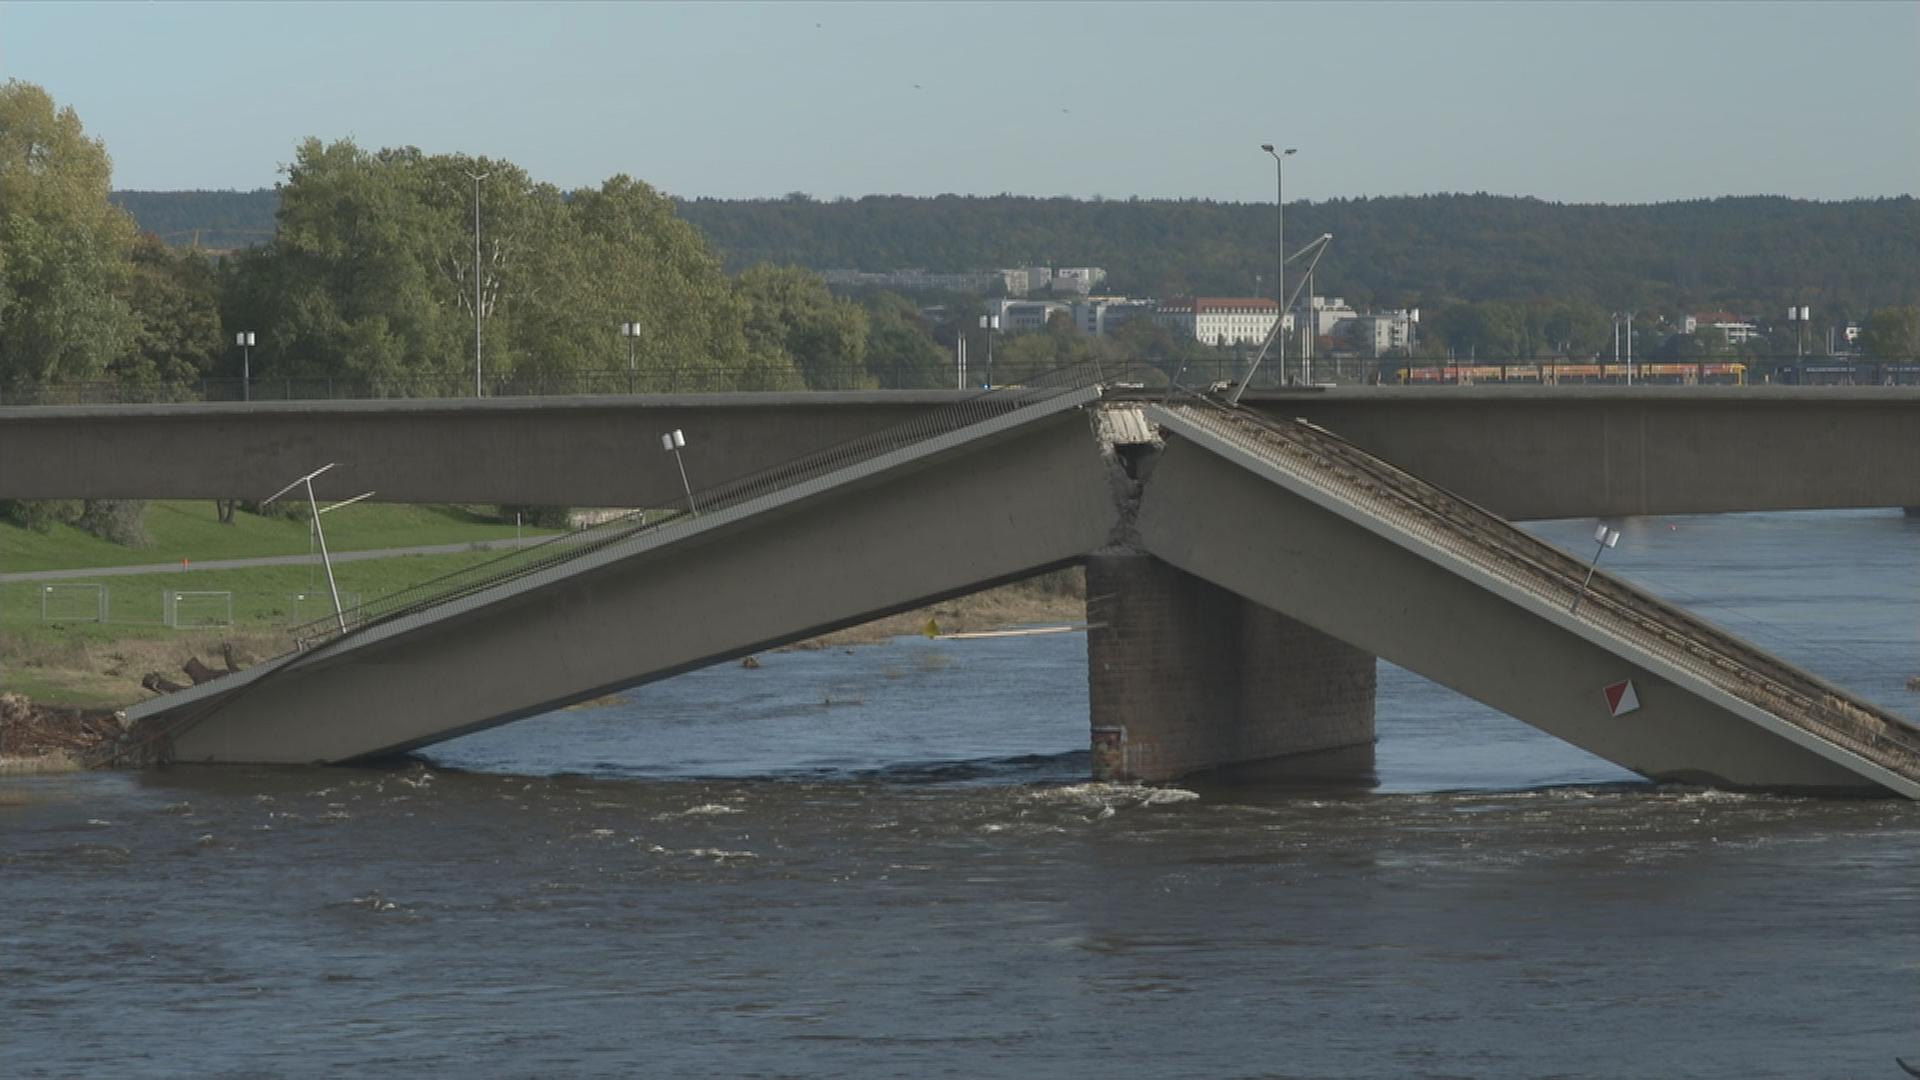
(55, 652)
(179, 530)
(53, 649)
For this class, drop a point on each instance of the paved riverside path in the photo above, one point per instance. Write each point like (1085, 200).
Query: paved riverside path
(271, 560)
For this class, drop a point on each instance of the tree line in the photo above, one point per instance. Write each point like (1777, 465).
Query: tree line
(375, 277)
(1747, 254)
(395, 271)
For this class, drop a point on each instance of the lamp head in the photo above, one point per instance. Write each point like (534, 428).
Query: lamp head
(1267, 146)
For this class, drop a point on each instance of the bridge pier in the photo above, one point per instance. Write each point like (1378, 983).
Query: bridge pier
(1186, 677)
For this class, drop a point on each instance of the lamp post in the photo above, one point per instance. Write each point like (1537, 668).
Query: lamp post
(989, 323)
(1630, 348)
(476, 178)
(630, 331)
(246, 340)
(672, 442)
(1280, 219)
(320, 535)
(1603, 538)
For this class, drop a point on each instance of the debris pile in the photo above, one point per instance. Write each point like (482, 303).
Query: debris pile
(28, 730)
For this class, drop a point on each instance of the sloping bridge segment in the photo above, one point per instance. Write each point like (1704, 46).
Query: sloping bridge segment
(1009, 486)
(1297, 520)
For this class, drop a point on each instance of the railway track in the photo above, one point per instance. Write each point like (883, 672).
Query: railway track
(1630, 615)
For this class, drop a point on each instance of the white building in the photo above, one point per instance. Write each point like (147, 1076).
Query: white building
(1102, 315)
(1221, 320)
(1328, 312)
(1078, 279)
(1378, 333)
(1022, 316)
(1027, 280)
(1733, 326)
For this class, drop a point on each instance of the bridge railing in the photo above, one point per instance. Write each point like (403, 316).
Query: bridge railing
(1622, 611)
(727, 494)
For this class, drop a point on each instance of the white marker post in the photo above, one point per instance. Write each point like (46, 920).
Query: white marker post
(1603, 539)
(673, 441)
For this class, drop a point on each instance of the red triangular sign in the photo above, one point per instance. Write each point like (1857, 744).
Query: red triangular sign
(1621, 698)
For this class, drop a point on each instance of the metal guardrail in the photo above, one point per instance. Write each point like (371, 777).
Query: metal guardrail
(703, 502)
(1625, 613)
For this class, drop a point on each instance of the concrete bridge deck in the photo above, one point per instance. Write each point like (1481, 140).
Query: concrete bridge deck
(1317, 529)
(1522, 452)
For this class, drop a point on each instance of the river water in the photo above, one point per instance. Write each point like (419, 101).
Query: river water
(886, 861)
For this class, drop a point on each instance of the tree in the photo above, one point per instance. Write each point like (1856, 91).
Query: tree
(174, 299)
(1892, 334)
(371, 274)
(791, 315)
(63, 246)
(901, 352)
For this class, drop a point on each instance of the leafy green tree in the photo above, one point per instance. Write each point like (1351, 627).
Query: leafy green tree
(900, 348)
(174, 298)
(792, 315)
(1892, 334)
(63, 246)
(372, 275)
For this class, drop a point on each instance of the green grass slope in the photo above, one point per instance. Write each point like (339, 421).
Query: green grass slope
(191, 531)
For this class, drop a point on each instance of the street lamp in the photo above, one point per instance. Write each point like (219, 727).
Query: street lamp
(1800, 315)
(1603, 538)
(245, 339)
(989, 323)
(1280, 217)
(630, 331)
(672, 442)
(320, 534)
(1630, 348)
(476, 178)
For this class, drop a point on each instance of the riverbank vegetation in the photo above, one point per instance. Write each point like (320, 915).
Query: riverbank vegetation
(177, 530)
(55, 649)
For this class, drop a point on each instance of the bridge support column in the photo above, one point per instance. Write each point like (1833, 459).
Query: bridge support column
(1185, 677)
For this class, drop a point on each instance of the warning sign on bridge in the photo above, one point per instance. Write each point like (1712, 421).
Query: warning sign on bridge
(1621, 698)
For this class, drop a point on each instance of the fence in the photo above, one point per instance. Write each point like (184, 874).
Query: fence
(183, 610)
(73, 603)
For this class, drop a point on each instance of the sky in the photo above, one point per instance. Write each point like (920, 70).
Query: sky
(1570, 102)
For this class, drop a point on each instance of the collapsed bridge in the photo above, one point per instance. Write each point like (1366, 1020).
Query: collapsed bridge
(1244, 572)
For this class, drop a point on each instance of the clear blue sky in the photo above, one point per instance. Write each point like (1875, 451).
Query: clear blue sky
(1615, 102)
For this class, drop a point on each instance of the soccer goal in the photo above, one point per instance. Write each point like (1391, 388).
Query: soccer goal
(73, 603)
(188, 610)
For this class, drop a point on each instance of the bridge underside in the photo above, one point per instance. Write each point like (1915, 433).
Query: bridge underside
(995, 510)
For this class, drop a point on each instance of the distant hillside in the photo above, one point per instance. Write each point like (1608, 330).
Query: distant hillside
(1749, 254)
(213, 220)
(1737, 252)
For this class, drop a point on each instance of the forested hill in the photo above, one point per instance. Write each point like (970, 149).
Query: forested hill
(211, 220)
(1759, 252)
(1750, 254)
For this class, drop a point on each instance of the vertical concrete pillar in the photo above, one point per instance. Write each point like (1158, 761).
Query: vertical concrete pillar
(1184, 676)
